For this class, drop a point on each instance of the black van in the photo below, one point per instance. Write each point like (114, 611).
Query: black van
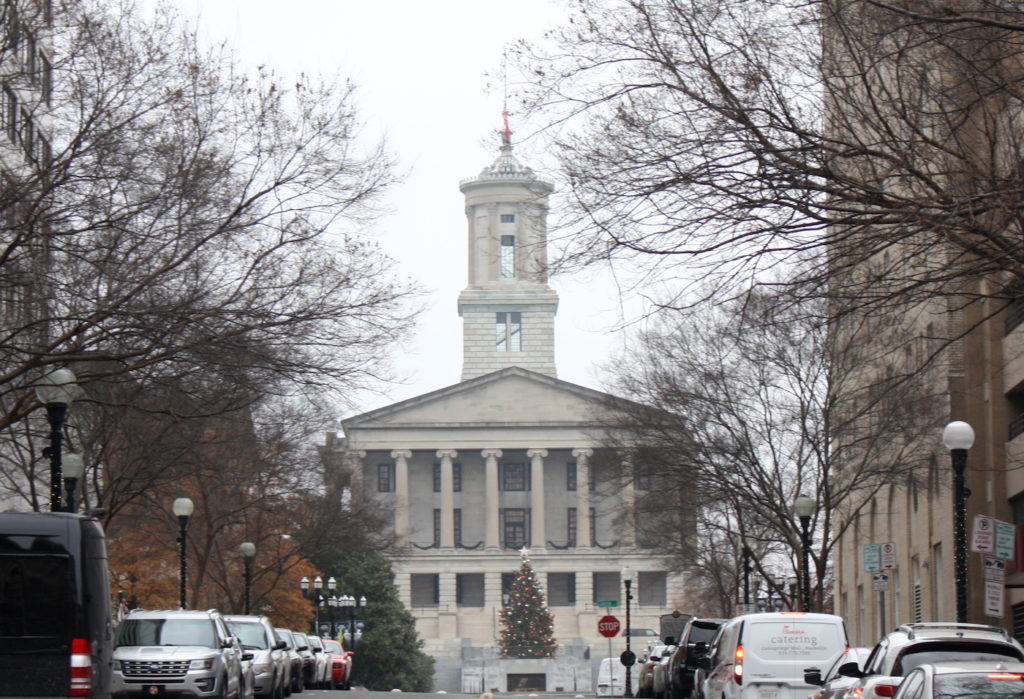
(55, 623)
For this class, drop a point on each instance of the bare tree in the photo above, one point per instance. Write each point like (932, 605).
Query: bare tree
(734, 141)
(749, 410)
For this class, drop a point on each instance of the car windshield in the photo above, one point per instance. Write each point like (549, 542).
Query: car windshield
(333, 647)
(166, 632)
(251, 634)
(954, 651)
(972, 684)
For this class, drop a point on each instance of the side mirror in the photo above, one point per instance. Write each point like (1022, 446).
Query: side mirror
(248, 655)
(704, 662)
(850, 670)
(812, 675)
(670, 640)
(280, 645)
(349, 653)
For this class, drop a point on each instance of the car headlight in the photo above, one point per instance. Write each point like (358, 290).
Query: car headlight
(116, 665)
(203, 664)
(260, 668)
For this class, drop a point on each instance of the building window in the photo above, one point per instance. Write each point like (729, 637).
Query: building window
(515, 527)
(508, 218)
(508, 332)
(651, 588)
(507, 261)
(572, 528)
(425, 589)
(561, 589)
(456, 477)
(457, 522)
(507, 581)
(385, 478)
(437, 527)
(570, 476)
(607, 586)
(469, 589)
(570, 532)
(514, 476)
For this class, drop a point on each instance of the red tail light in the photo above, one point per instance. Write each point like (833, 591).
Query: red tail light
(1004, 676)
(885, 690)
(81, 668)
(737, 666)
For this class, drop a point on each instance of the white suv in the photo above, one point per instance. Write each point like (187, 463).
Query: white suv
(911, 645)
(177, 652)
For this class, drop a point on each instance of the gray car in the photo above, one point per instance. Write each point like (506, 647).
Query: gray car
(177, 653)
(294, 673)
(258, 636)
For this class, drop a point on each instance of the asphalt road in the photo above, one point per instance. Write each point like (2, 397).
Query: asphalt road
(364, 694)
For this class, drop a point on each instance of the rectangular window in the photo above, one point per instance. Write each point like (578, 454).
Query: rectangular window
(457, 517)
(570, 476)
(514, 476)
(437, 527)
(425, 589)
(508, 218)
(561, 589)
(570, 532)
(385, 482)
(507, 580)
(508, 332)
(607, 586)
(469, 589)
(515, 527)
(651, 588)
(507, 261)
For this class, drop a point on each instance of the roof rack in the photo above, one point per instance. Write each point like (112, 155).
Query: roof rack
(910, 629)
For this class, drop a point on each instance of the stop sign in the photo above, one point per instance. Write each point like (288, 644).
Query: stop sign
(608, 626)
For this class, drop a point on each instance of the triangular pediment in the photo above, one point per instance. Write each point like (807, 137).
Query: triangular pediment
(512, 396)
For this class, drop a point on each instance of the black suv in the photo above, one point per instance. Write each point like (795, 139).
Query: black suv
(693, 645)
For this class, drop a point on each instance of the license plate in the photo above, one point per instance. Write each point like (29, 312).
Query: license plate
(153, 689)
(766, 693)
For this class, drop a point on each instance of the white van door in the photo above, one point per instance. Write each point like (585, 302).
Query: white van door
(778, 648)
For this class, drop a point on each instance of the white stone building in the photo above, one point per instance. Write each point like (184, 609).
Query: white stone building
(476, 471)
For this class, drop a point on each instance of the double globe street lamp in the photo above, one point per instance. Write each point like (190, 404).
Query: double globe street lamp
(56, 390)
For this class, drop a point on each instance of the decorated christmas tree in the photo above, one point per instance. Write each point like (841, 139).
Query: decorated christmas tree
(526, 623)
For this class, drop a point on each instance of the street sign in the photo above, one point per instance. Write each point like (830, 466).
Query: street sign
(888, 555)
(608, 626)
(983, 534)
(995, 569)
(1006, 537)
(872, 557)
(881, 582)
(993, 598)
(608, 603)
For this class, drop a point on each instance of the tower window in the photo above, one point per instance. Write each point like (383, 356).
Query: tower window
(508, 218)
(508, 329)
(508, 257)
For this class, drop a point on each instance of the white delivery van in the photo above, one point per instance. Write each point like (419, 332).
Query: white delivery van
(611, 678)
(764, 656)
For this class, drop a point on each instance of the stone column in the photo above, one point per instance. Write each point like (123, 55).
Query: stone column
(354, 462)
(538, 533)
(628, 537)
(447, 498)
(401, 457)
(491, 502)
(582, 457)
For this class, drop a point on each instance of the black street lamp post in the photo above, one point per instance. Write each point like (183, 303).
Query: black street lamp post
(248, 551)
(627, 579)
(56, 390)
(319, 599)
(803, 508)
(747, 570)
(958, 438)
(350, 603)
(183, 510)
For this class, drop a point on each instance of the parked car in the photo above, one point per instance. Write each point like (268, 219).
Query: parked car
(944, 680)
(257, 635)
(659, 674)
(308, 659)
(833, 685)
(645, 671)
(912, 645)
(341, 665)
(294, 672)
(177, 651)
(693, 644)
(611, 678)
(322, 669)
(54, 606)
(767, 655)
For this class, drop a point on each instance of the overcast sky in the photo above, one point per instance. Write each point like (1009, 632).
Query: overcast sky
(422, 70)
